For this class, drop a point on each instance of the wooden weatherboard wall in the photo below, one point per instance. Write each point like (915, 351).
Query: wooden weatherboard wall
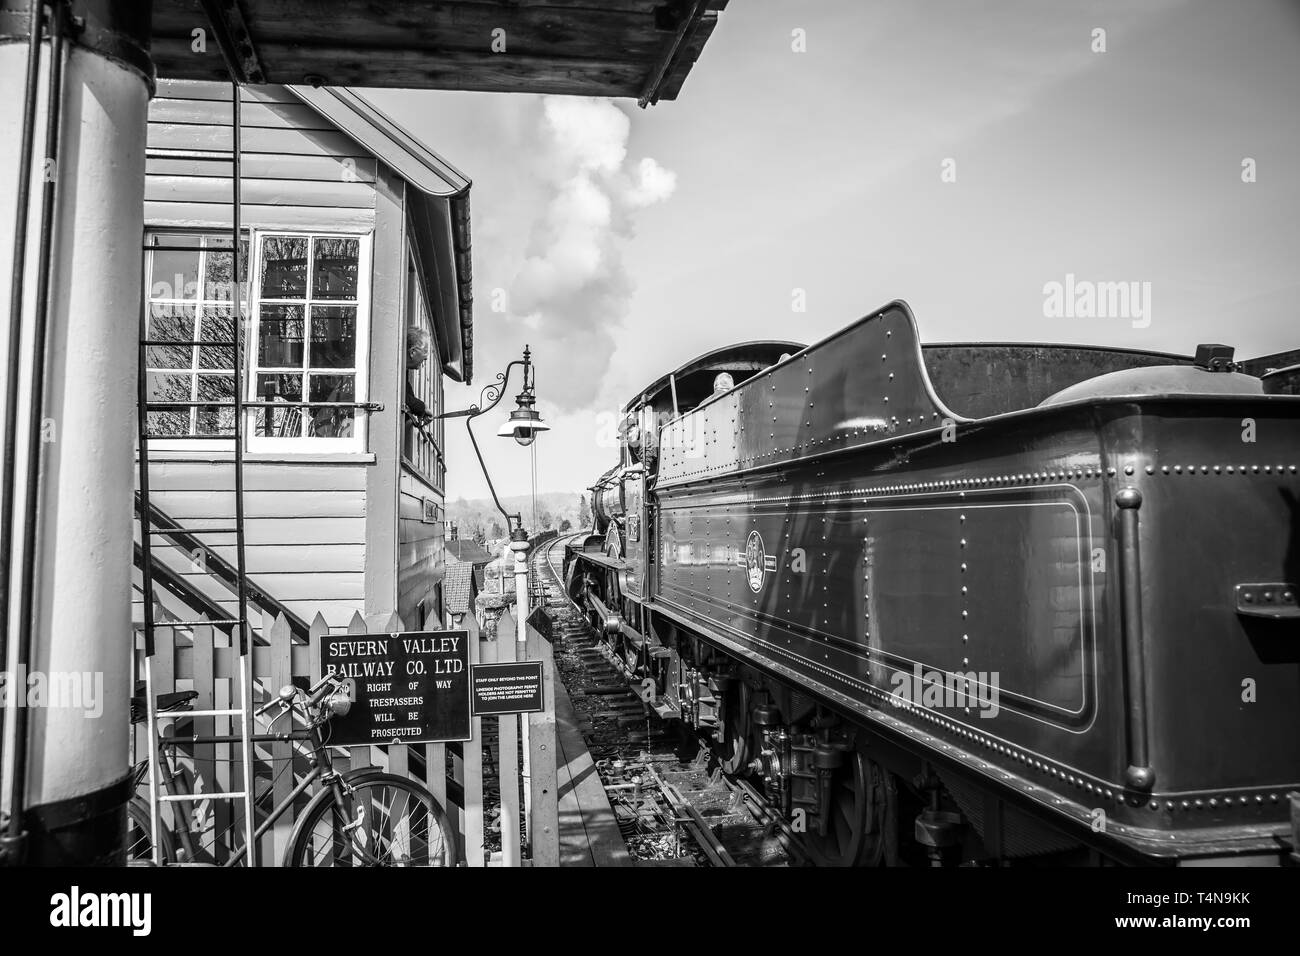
(387, 366)
(421, 547)
(330, 534)
(420, 541)
(299, 171)
(404, 551)
(304, 529)
(307, 515)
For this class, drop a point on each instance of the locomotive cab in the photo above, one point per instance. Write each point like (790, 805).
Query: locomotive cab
(699, 381)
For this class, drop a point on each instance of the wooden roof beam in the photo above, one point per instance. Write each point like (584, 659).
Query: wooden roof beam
(622, 48)
(687, 24)
(235, 41)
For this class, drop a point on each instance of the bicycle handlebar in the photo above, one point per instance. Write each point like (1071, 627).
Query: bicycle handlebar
(325, 679)
(323, 688)
(284, 698)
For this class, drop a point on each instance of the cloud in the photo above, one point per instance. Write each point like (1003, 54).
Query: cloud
(572, 289)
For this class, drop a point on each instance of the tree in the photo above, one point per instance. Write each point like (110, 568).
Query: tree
(565, 525)
(544, 519)
(584, 513)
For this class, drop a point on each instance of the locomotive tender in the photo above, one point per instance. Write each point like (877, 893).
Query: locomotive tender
(970, 603)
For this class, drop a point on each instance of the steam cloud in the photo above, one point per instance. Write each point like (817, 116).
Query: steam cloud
(573, 288)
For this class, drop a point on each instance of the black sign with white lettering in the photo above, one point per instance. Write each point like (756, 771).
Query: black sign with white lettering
(510, 688)
(410, 687)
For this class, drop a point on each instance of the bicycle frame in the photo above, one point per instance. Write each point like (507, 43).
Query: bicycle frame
(322, 769)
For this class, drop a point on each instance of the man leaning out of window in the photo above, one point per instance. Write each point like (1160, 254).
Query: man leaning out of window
(417, 353)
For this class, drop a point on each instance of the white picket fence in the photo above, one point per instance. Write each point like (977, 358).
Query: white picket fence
(200, 658)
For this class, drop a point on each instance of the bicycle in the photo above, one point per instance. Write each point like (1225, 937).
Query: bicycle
(360, 817)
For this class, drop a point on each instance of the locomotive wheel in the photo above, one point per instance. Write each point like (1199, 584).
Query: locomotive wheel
(733, 751)
(863, 825)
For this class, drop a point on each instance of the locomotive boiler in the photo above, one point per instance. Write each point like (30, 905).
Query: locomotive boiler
(970, 603)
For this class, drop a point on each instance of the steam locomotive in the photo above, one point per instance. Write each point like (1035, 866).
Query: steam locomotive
(1059, 625)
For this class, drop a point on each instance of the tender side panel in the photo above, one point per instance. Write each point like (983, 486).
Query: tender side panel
(863, 384)
(904, 598)
(1001, 555)
(952, 559)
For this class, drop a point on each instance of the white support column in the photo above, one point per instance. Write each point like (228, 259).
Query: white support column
(82, 607)
(520, 549)
(508, 650)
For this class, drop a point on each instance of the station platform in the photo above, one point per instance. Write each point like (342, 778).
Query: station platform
(589, 834)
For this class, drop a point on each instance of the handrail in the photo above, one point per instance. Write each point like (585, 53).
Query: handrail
(420, 433)
(184, 591)
(221, 569)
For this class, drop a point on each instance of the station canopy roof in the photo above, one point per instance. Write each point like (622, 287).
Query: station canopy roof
(620, 48)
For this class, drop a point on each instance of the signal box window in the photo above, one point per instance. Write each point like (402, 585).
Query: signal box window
(312, 296)
(306, 348)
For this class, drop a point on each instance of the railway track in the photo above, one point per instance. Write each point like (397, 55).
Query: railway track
(674, 807)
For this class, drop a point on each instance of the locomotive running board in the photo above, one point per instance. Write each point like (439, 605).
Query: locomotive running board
(1142, 844)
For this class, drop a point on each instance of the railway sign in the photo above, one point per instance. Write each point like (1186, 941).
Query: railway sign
(412, 687)
(507, 688)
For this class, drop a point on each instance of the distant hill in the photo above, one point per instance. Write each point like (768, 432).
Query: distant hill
(479, 518)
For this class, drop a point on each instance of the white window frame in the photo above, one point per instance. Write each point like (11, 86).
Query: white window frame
(313, 445)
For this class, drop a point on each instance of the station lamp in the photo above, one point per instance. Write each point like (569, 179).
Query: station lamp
(523, 425)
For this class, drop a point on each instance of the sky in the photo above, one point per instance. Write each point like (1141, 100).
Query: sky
(824, 159)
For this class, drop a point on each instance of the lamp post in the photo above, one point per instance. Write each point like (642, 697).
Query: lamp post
(523, 426)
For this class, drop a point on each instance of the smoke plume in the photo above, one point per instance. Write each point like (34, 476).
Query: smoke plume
(572, 287)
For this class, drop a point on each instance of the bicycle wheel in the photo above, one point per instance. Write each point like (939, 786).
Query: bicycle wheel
(385, 820)
(139, 843)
